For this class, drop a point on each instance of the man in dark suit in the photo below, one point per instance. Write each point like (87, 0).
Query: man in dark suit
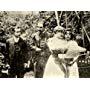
(17, 52)
(40, 53)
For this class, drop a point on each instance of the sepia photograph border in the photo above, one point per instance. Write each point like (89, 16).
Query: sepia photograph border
(44, 5)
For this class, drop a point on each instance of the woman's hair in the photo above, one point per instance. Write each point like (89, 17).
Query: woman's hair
(72, 35)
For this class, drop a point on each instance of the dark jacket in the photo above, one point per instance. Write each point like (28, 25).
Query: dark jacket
(17, 52)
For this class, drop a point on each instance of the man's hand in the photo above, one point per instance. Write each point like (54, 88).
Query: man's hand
(25, 65)
(38, 49)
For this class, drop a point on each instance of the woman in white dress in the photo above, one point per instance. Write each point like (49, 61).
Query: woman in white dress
(63, 54)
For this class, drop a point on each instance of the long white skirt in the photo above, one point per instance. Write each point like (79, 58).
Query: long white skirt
(52, 70)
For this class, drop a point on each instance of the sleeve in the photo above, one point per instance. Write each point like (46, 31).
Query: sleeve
(25, 52)
(53, 47)
(7, 52)
(74, 50)
(73, 45)
(31, 44)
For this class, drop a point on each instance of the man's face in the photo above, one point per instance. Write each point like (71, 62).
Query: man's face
(17, 32)
(24, 35)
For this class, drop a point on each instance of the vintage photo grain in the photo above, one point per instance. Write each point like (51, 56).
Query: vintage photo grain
(44, 44)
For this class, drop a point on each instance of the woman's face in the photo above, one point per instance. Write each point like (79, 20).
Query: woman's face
(60, 35)
(67, 35)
